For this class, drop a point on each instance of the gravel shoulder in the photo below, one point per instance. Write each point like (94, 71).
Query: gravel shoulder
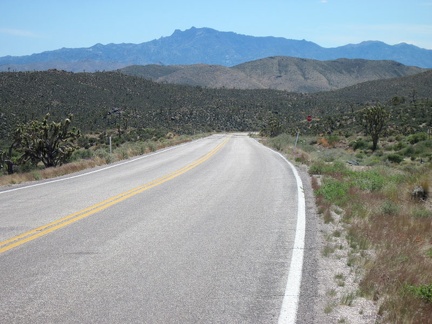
(329, 285)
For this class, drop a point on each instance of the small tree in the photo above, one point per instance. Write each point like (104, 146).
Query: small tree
(273, 127)
(373, 119)
(51, 143)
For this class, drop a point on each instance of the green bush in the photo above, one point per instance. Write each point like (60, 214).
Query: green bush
(423, 291)
(370, 180)
(332, 139)
(360, 156)
(281, 141)
(395, 158)
(389, 208)
(151, 145)
(334, 191)
(359, 144)
(409, 151)
(427, 143)
(336, 168)
(372, 160)
(82, 154)
(328, 156)
(421, 213)
(399, 146)
(424, 148)
(418, 137)
(26, 167)
(104, 155)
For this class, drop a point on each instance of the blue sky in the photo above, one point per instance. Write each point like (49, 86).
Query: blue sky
(33, 26)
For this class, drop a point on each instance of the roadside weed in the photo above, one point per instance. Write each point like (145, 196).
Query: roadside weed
(389, 233)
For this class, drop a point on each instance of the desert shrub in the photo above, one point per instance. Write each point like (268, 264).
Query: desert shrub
(409, 151)
(422, 291)
(421, 213)
(332, 139)
(140, 148)
(370, 180)
(424, 148)
(389, 208)
(418, 137)
(281, 141)
(360, 156)
(331, 155)
(104, 155)
(372, 160)
(317, 168)
(394, 158)
(84, 141)
(151, 146)
(82, 154)
(399, 146)
(427, 143)
(337, 168)
(359, 144)
(334, 191)
(26, 167)
(122, 153)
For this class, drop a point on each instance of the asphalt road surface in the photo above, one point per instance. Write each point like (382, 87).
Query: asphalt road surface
(198, 233)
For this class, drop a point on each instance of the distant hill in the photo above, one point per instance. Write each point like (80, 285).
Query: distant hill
(280, 73)
(93, 97)
(210, 76)
(207, 46)
(413, 87)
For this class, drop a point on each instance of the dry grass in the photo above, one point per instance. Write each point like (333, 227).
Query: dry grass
(383, 216)
(324, 142)
(401, 242)
(125, 151)
(49, 173)
(400, 231)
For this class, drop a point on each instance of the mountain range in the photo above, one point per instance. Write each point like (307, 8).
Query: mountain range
(279, 73)
(211, 47)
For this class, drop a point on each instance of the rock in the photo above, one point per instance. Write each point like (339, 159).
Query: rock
(419, 193)
(353, 162)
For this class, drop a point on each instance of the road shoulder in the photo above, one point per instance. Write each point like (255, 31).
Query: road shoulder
(329, 285)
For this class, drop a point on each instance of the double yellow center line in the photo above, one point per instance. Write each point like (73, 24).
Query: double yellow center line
(72, 218)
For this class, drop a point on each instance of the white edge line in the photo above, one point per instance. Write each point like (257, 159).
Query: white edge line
(288, 313)
(98, 170)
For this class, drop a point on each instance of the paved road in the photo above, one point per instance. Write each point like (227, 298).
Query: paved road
(199, 233)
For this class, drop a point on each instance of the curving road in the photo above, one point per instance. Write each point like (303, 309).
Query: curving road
(199, 233)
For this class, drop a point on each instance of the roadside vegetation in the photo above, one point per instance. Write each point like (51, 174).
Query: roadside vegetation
(91, 150)
(384, 201)
(107, 100)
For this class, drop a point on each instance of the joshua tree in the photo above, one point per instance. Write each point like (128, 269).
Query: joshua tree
(51, 143)
(273, 126)
(373, 119)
